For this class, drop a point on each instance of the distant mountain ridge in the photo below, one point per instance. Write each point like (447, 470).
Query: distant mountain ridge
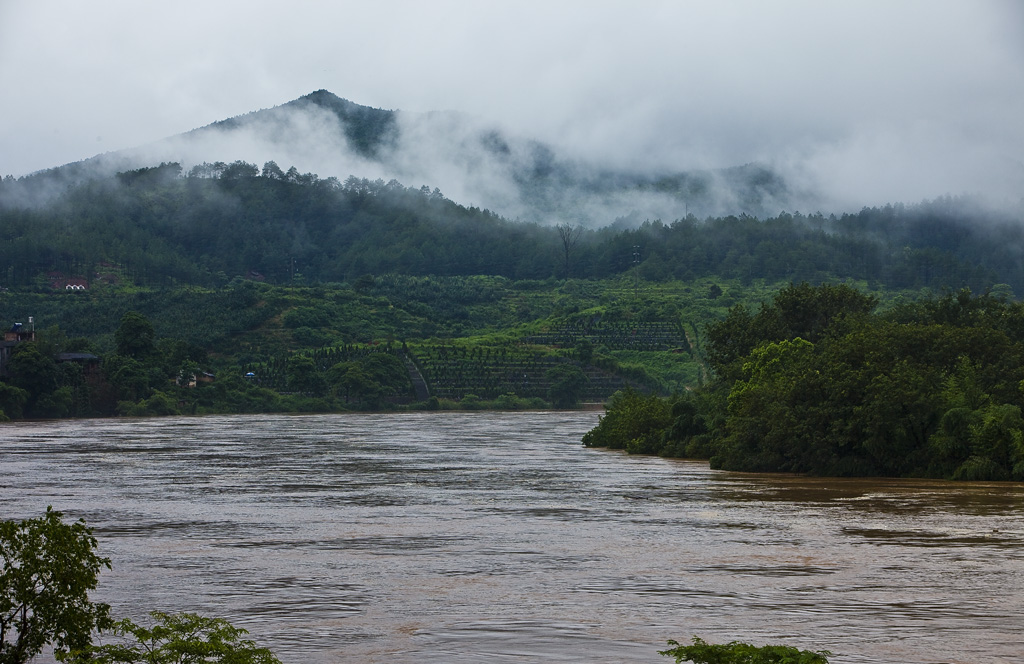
(471, 161)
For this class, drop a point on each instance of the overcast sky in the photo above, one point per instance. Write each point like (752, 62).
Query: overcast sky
(875, 101)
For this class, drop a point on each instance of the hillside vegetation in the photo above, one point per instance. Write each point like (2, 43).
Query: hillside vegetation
(221, 221)
(234, 288)
(474, 341)
(817, 381)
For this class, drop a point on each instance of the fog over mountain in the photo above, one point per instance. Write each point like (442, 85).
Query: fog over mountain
(838, 105)
(470, 160)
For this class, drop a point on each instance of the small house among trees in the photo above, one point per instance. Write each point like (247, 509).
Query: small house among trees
(90, 364)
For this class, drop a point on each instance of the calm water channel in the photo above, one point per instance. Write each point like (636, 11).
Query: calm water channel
(482, 537)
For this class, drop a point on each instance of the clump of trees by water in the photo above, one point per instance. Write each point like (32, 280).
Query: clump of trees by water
(819, 381)
(702, 652)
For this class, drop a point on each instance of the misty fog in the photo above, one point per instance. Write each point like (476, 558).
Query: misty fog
(851, 105)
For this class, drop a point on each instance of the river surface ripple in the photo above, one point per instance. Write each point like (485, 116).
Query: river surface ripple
(491, 537)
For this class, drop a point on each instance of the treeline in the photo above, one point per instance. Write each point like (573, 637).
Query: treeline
(54, 376)
(946, 243)
(162, 227)
(227, 220)
(818, 382)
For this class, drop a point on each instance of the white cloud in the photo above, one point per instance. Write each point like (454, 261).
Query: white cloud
(874, 100)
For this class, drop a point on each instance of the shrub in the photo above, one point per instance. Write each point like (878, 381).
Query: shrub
(735, 652)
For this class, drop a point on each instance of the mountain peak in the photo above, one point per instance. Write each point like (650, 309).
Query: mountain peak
(325, 98)
(367, 128)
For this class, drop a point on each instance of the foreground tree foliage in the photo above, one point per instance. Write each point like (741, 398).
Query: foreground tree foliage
(701, 652)
(815, 382)
(49, 567)
(183, 638)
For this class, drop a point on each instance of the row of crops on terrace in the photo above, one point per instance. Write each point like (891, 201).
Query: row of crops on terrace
(453, 372)
(615, 335)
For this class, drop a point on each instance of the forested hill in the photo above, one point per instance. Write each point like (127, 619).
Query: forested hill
(364, 130)
(160, 226)
(485, 165)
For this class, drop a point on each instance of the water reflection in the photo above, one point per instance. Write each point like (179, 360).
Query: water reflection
(497, 537)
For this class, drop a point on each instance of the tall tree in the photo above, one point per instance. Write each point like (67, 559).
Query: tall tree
(135, 336)
(569, 235)
(49, 567)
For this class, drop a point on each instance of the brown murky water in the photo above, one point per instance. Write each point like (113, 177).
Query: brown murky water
(483, 537)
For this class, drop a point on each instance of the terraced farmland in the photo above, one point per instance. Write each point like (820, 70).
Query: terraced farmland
(641, 336)
(453, 372)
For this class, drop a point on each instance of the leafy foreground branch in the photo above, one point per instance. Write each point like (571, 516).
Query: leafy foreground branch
(49, 567)
(179, 638)
(702, 652)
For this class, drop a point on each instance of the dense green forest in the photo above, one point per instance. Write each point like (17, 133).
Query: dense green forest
(220, 221)
(234, 288)
(818, 381)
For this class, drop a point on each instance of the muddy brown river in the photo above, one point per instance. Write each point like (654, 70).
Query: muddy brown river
(490, 537)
